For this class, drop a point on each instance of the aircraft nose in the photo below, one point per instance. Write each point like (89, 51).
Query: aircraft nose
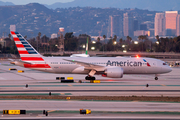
(167, 69)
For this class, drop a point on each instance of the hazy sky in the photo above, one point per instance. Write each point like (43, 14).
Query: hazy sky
(22, 2)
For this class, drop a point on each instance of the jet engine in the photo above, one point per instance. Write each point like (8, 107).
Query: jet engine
(115, 72)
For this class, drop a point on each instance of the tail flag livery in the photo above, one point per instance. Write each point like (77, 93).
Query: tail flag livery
(27, 53)
(147, 63)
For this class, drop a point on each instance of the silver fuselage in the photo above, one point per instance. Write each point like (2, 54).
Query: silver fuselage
(130, 65)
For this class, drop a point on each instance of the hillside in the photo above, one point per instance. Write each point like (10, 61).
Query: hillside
(5, 3)
(157, 5)
(33, 18)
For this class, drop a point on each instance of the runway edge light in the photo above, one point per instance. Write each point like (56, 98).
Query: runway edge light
(70, 78)
(20, 71)
(12, 69)
(87, 111)
(95, 81)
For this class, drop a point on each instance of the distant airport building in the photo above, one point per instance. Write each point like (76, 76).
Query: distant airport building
(141, 32)
(171, 24)
(115, 26)
(12, 27)
(2, 42)
(54, 35)
(160, 24)
(128, 26)
(178, 25)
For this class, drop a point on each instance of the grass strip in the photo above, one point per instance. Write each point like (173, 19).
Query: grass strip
(64, 96)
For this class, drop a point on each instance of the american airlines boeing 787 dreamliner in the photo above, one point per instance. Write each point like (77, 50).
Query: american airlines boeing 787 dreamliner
(113, 67)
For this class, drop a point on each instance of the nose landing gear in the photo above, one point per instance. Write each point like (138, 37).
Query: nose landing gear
(156, 78)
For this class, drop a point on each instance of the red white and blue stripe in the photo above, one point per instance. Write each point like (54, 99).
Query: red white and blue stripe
(28, 53)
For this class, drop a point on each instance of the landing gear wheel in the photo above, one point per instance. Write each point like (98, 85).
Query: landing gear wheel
(90, 78)
(87, 78)
(93, 78)
(156, 78)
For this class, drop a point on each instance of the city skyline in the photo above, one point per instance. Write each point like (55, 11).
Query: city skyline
(167, 24)
(110, 22)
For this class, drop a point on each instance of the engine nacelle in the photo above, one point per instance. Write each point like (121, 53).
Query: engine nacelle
(114, 72)
(78, 70)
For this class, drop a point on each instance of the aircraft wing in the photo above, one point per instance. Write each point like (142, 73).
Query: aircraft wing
(88, 66)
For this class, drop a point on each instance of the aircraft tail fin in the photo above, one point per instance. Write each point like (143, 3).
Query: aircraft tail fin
(26, 51)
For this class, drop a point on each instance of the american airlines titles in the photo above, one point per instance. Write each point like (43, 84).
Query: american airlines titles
(124, 63)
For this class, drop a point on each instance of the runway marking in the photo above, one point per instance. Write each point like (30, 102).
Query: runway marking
(39, 91)
(52, 110)
(23, 94)
(7, 65)
(17, 74)
(1, 78)
(90, 85)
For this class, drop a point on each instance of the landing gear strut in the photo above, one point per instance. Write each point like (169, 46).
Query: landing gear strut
(90, 78)
(91, 73)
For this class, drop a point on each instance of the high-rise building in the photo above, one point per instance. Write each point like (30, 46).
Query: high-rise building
(128, 27)
(136, 25)
(115, 26)
(160, 24)
(171, 17)
(143, 27)
(178, 25)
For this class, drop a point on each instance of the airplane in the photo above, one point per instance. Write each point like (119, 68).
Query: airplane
(112, 67)
(82, 55)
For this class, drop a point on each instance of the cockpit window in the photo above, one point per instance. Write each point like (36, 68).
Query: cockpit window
(164, 64)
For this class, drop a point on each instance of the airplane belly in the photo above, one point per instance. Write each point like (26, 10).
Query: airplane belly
(141, 70)
(64, 68)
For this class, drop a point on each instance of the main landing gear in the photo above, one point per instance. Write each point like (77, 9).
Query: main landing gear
(91, 73)
(90, 78)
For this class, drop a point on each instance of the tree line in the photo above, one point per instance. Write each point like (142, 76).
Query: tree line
(73, 43)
